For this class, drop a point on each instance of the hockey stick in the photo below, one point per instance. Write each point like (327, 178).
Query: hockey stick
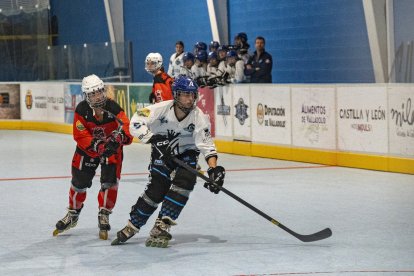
(323, 234)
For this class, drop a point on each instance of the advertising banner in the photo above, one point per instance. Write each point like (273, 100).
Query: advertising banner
(10, 101)
(118, 93)
(34, 107)
(271, 114)
(55, 102)
(43, 102)
(362, 119)
(223, 111)
(73, 96)
(206, 104)
(313, 117)
(242, 112)
(138, 97)
(401, 120)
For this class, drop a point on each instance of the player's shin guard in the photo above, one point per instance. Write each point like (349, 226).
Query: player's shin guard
(107, 196)
(142, 210)
(76, 198)
(174, 202)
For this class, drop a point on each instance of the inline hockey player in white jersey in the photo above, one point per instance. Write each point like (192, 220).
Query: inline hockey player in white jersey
(174, 128)
(176, 60)
(188, 59)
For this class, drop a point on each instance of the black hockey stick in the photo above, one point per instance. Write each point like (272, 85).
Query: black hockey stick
(323, 234)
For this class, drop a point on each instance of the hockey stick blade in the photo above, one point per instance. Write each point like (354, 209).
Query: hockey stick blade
(323, 234)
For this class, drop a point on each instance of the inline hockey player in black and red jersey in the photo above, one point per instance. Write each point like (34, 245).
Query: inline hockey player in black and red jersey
(174, 128)
(161, 86)
(100, 129)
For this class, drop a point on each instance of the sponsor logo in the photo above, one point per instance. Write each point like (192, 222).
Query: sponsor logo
(260, 114)
(99, 133)
(144, 112)
(80, 126)
(121, 99)
(163, 120)
(4, 98)
(241, 111)
(190, 128)
(28, 99)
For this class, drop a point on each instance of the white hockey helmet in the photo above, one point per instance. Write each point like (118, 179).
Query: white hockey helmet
(94, 91)
(153, 62)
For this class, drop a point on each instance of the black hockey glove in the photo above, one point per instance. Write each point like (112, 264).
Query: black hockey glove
(104, 149)
(119, 136)
(162, 145)
(217, 175)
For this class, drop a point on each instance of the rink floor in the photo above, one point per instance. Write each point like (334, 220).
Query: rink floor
(370, 213)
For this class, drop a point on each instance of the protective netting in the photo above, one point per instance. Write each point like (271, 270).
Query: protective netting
(27, 31)
(402, 70)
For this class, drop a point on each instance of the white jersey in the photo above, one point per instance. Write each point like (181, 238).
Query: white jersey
(192, 133)
(176, 62)
(187, 72)
(213, 72)
(236, 73)
(199, 71)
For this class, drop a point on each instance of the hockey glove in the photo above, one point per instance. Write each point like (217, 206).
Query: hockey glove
(161, 144)
(217, 175)
(104, 149)
(119, 136)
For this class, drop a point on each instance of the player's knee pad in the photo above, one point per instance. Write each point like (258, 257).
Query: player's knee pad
(110, 174)
(157, 187)
(184, 179)
(82, 179)
(108, 185)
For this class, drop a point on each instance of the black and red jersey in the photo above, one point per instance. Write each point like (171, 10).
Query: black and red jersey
(161, 88)
(86, 126)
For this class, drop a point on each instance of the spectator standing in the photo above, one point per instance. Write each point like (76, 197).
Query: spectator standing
(176, 60)
(259, 66)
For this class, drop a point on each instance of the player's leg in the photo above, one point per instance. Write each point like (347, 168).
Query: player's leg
(110, 176)
(147, 203)
(83, 171)
(174, 202)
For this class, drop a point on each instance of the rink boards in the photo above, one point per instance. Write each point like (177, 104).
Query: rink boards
(365, 125)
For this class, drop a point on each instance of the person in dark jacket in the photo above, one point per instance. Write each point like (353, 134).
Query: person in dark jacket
(259, 66)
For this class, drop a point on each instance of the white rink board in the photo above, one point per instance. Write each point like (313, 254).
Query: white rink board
(271, 114)
(37, 110)
(224, 111)
(242, 112)
(55, 102)
(401, 120)
(362, 120)
(47, 102)
(313, 117)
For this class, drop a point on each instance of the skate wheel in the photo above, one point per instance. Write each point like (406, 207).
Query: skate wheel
(103, 234)
(159, 243)
(56, 232)
(115, 242)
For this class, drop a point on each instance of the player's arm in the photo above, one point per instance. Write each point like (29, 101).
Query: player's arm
(81, 134)
(138, 126)
(126, 137)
